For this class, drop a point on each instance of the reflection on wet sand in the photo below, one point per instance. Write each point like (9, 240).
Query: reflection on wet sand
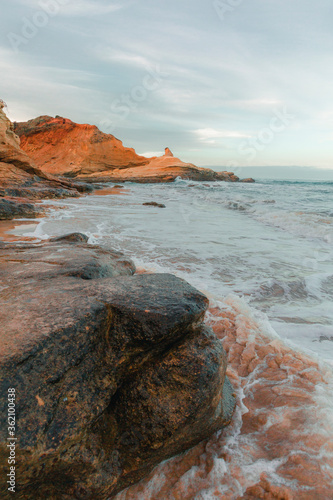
(11, 230)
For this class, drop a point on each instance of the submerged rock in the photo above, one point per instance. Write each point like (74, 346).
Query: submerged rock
(113, 372)
(153, 204)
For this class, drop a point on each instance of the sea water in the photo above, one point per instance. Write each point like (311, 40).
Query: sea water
(263, 254)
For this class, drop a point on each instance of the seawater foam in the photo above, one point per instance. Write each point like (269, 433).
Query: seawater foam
(279, 444)
(38, 233)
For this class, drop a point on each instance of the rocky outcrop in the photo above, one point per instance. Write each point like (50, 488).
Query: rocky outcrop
(21, 180)
(18, 208)
(113, 372)
(249, 180)
(62, 147)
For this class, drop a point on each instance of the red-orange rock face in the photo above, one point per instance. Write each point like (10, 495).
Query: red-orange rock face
(62, 147)
(21, 179)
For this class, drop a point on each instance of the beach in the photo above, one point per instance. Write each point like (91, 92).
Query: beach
(265, 264)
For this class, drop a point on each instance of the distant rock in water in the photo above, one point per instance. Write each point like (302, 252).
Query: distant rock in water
(153, 204)
(62, 147)
(248, 180)
(113, 372)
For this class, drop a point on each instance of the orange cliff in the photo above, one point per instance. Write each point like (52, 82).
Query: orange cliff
(62, 147)
(20, 178)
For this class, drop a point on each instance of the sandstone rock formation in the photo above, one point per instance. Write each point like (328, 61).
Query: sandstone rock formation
(62, 147)
(113, 372)
(21, 179)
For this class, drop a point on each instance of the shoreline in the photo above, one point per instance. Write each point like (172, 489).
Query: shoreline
(10, 230)
(272, 421)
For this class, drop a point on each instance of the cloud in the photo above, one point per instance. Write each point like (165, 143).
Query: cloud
(224, 79)
(76, 8)
(150, 154)
(122, 57)
(208, 135)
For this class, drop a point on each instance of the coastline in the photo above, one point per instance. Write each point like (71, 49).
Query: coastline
(274, 436)
(10, 230)
(36, 272)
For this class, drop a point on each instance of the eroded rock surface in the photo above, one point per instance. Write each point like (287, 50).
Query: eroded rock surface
(21, 180)
(62, 147)
(113, 372)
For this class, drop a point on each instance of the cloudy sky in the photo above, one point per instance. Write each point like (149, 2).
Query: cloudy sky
(220, 82)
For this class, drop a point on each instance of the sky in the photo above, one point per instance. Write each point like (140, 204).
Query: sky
(232, 83)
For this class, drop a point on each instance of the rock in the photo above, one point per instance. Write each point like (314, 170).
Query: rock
(248, 180)
(112, 374)
(226, 176)
(172, 403)
(21, 178)
(71, 238)
(168, 153)
(17, 209)
(118, 186)
(62, 147)
(65, 256)
(154, 204)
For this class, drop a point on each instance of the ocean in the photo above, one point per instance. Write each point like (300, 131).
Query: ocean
(263, 254)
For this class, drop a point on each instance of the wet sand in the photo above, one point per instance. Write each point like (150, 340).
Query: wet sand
(12, 230)
(112, 190)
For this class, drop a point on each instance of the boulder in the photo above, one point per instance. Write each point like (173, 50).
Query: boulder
(11, 208)
(113, 372)
(153, 204)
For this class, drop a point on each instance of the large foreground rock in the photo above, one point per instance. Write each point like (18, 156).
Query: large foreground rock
(62, 147)
(113, 372)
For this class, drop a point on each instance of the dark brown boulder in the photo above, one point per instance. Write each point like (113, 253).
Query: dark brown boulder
(153, 204)
(99, 357)
(18, 208)
(71, 238)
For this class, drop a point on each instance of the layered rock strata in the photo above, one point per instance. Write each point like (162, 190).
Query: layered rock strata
(21, 180)
(62, 147)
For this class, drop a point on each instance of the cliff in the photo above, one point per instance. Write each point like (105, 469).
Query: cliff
(22, 181)
(62, 147)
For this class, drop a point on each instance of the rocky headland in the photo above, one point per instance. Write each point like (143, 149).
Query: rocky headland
(113, 371)
(21, 181)
(64, 148)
